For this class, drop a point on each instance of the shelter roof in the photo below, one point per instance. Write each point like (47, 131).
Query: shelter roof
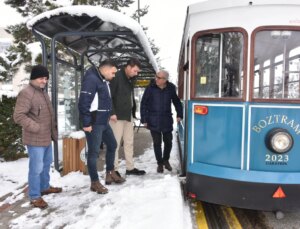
(97, 32)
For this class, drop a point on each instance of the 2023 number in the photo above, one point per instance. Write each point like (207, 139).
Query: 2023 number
(277, 158)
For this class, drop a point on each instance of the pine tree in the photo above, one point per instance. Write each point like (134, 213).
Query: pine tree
(11, 147)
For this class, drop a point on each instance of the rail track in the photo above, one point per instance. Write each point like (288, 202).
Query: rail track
(213, 216)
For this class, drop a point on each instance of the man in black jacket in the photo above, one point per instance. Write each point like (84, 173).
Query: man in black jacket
(156, 115)
(123, 113)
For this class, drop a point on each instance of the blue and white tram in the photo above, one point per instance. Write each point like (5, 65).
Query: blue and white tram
(239, 81)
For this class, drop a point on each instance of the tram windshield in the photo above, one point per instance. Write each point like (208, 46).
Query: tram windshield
(277, 65)
(219, 65)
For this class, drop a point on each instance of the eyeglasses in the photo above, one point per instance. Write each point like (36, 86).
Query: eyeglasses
(160, 78)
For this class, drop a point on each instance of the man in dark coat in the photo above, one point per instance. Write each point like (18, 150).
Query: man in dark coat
(95, 107)
(33, 111)
(123, 113)
(156, 115)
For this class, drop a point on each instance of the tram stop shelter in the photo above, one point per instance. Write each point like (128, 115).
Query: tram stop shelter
(73, 39)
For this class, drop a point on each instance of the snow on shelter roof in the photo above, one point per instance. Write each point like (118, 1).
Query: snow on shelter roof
(97, 32)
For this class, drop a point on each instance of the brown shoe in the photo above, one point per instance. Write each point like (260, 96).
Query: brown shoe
(167, 165)
(39, 203)
(51, 190)
(96, 186)
(160, 168)
(112, 176)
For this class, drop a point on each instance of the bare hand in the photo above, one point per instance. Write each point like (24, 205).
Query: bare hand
(113, 118)
(88, 129)
(178, 119)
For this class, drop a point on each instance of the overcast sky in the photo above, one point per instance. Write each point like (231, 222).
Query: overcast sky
(165, 21)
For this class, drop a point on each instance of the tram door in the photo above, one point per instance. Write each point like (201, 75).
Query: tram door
(183, 93)
(216, 108)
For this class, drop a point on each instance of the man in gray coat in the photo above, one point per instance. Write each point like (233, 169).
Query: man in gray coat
(33, 111)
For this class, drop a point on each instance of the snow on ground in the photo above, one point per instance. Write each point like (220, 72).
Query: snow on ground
(142, 202)
(13, 175)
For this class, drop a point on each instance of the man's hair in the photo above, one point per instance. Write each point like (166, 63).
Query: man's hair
(134, 62)
(108, 62)
(166, 73)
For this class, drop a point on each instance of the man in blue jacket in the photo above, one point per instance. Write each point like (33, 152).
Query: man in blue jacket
(95, 107)
(156, 115)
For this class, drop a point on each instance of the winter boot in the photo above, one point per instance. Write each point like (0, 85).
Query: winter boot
(96, 186)
(51, 190)
(39, 203)
(112, 176)
(167, 165)
(160, 168)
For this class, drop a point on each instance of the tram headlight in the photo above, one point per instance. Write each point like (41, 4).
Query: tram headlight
(279, 140)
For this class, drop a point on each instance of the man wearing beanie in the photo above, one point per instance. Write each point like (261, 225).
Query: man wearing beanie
(33, 111)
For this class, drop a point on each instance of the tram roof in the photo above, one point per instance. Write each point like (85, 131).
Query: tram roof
(212, 5)
(97, 32)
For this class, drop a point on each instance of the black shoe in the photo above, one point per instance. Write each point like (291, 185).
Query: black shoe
(167, 165)
(135, 171)
(160, 168)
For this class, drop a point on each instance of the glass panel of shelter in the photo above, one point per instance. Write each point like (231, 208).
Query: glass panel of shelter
(67, 105)
(219, 65)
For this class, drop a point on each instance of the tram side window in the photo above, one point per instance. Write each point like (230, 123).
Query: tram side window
(219, 65)
(277, 65)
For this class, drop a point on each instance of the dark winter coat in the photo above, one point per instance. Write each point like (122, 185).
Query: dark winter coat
(122, 96)
(94, 87)
(33, 111)
(156, 107)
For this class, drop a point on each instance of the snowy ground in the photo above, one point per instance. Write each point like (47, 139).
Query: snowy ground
(150, 201)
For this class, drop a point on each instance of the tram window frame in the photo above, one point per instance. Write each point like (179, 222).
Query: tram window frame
(243, 77)
(181, 75)
(276, 62)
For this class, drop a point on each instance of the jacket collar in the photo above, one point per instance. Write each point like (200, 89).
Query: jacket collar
(99, 74)
(123, 73)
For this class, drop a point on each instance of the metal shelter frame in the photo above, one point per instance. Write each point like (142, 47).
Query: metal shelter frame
(78, 37)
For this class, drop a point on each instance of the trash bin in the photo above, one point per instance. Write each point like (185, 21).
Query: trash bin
(74, 155)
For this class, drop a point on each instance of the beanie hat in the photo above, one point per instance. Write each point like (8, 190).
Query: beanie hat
(39, 71)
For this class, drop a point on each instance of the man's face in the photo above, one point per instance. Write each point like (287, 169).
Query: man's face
(109, 72)
(40, 82)
(160, 79)
(132, 71)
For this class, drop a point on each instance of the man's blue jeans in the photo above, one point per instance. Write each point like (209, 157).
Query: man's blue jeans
(40, 159)
(100, 133)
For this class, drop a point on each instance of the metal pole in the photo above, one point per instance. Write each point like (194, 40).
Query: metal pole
(54, 98)
(139, 11)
